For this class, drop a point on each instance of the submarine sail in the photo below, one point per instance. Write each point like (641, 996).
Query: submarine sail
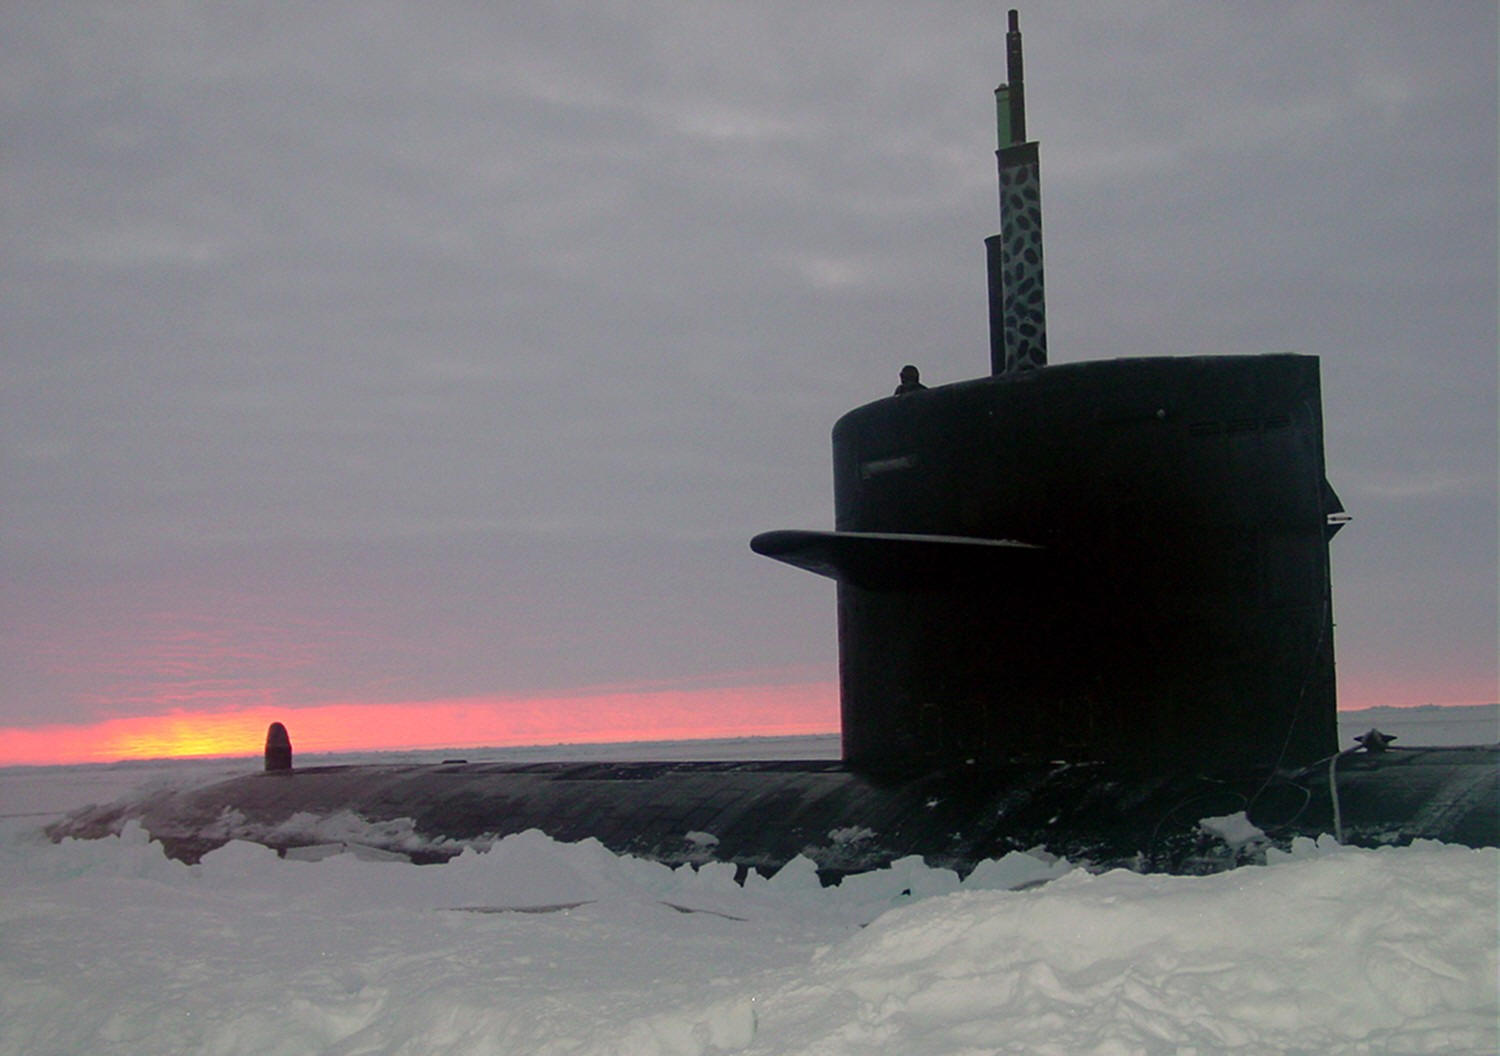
(1122, 559)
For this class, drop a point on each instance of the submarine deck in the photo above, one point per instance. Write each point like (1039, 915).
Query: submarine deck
(763, 814)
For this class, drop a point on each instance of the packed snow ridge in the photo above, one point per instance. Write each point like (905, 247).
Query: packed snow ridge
(108, 946)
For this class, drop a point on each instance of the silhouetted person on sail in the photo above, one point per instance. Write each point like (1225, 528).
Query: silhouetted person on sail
(909, 381)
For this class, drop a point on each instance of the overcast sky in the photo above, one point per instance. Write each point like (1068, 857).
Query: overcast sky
(383, 351)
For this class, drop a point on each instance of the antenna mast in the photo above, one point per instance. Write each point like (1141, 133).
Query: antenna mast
(1018, 314)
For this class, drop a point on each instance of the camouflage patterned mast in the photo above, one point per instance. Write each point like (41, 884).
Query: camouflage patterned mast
(1018, 315)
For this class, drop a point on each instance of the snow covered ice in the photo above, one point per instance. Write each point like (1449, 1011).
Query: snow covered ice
(537, 947)
(107, 946)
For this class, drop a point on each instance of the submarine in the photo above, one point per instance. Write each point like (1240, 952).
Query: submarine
(1081, 607)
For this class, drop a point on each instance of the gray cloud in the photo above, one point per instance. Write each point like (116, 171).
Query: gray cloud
(506, 325)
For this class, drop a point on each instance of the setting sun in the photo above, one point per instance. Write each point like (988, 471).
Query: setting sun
(183, 735)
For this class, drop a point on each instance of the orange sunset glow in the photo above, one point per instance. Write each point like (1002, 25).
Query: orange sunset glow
(582, 718)
(585, 717)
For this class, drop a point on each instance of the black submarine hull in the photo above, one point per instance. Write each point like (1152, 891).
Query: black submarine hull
(763, 814)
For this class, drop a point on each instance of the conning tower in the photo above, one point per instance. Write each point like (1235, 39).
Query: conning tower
(1121, 559)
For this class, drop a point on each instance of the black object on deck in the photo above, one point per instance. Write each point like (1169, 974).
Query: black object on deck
(278, 748)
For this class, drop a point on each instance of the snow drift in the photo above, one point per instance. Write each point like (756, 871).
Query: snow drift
(107, 946)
